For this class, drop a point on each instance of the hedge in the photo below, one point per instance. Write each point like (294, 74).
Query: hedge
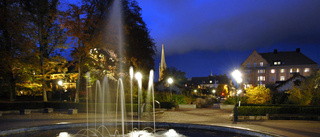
(263, 110)
(21, 105)
(82, 107)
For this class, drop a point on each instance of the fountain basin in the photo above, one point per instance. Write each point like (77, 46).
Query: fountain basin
(186, 129)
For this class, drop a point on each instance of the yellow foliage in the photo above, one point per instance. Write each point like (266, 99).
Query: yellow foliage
(258, 95)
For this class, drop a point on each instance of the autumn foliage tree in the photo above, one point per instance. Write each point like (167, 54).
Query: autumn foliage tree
(258, 95)
(308, 92)
(16, 46)
(43, 16)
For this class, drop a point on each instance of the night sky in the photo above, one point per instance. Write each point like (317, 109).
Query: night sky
(201, 36)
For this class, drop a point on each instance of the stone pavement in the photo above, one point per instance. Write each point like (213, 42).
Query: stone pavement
(207, 116)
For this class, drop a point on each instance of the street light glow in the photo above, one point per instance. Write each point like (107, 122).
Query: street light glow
(195, 91)
(213, 91)
(239, 91)
(170, 80)
(138, 76)
(60, 82)
(237, 76)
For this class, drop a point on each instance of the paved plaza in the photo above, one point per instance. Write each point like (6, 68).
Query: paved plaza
(207, 116)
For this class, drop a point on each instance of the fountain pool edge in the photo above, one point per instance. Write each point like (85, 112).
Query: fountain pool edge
(233, 129)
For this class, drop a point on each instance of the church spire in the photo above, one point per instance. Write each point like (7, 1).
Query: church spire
(163, 65)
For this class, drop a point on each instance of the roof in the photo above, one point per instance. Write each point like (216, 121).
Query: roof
(221, 79)
(287, 58)
(287, 81)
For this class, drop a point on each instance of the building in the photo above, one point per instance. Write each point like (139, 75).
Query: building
(162, 65)
(268, 68)
(288, 84)
(205, 85)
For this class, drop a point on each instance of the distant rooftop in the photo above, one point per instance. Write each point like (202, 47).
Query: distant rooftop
(287, 58)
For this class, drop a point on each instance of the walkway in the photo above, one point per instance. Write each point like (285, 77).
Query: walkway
(208, 116)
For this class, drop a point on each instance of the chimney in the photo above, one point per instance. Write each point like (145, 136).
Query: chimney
(298, 50)
(275, 51)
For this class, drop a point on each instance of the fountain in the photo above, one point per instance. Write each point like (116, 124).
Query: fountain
(99, 95)
(104, 104)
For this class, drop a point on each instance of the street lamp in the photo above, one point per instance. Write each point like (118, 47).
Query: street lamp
(214, 92)
(170, 81)
(237, 76)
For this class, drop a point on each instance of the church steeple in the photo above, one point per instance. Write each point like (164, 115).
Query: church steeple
(163, 65)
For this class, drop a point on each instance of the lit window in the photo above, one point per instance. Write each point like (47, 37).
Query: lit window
(261, 64)
(261, 71)
(261, 78)
(282, 78)
(273, 70)
(281, 70)
(293, 70)
(307, 70)
(254, 64)
(277, 63)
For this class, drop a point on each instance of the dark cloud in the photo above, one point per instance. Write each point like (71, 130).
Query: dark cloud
(186, 25)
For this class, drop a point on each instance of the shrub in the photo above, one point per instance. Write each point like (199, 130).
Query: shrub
(263, 110)
(230, 100)
(258, 95)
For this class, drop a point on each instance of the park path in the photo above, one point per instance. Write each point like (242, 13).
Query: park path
(208, 116)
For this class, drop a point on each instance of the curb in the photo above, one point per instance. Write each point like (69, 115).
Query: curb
(230, 129)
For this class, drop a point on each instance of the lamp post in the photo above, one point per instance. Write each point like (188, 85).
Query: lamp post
(170, 81)
(237, 76)
(60, 83)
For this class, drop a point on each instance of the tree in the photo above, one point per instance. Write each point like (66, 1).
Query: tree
(95, 33)
(258, 95)
(178, 76)
(221, 90)
(16, 45)
(308, 92)
(50, 36)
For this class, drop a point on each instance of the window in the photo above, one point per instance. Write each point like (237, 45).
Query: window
(307, 70)
(261, 64)
(261, 71)
(282, 78)
(254, 64)
(277, 63)
(261, 78)
(294, 70)
(248, 65)
(273, 78)
(281, 70)
(248, 71)
(248, 80)
(273, 71)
